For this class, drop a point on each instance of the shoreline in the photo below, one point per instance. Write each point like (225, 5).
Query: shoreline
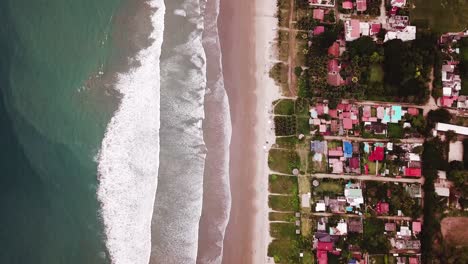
(246, 32)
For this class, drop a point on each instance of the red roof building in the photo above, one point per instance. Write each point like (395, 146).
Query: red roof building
(347, 123)
(382, 208)
(413, 111)
(413, 172)
(377, 154)
(334, 50)
(318, 14)
(361, 5)
(347, 5)
(413, 260)
(333, 113)
(333, 66)
(354, 163)
(327, 246)
(319, 30)
(375, 29)
(322, 257)
(416, 227)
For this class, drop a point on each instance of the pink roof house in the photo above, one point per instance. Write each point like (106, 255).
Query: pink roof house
(361, 5)
(319, 30)
(347, 123)
(352, 29)
(318, 14)
(375, 29)
(413, 111)
(347, 5)
(333, 65)
(334, 49)
(398, 3)
(416, 227)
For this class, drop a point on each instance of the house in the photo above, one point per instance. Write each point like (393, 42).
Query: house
(441, 186)
(377, 154)
(412, 172)
(322, 257)
(443, 127)
(390, 227)
(326, 246)
(406, 34)
(336, 152)
(334, 78)
(361, 5)
(375, 29)
(404, 231)
(354, 165)
(325, 3)
(354, 196)
(413, 111)
(318, 30)
(320, 206)
(318, 14)
(352, 29)
(398, 3)
(348, 5)
(319, 147)
(341, 229)
(347, 149)
(416, 227)
(382, 208)
(334, 49)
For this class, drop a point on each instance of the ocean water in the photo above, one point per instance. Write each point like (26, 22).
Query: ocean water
(52, 124)
(114, 132)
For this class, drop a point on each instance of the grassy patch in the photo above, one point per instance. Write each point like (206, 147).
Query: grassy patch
(283, 230)
(283, 203)
(284, 250)
(303, 126)
(329, 187)
(308, 258)
(287, 217)
(287, 142)
(283, 161)
(395, 131)
(302, 107)
(284, 107)
(283, 184)
(376, 73)
(430, 12)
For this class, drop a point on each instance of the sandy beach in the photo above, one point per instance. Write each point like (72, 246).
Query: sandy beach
(246, 30)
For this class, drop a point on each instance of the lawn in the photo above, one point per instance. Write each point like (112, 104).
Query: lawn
(329, 187)
(284, 250)
(303, 126)
(441, 15)
(395, 131)
(287, 142)
(283, 161)
(373, 169)
(283, 203)
(284, 107)
(286, 217)
(376, 73)
(302, 107)
(283, 184)
(283, 230)
(454, 230)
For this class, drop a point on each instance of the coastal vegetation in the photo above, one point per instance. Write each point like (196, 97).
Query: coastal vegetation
(283, 184)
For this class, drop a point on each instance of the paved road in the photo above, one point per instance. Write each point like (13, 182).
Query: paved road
(359, 139)
(367, 178)
(396, 218)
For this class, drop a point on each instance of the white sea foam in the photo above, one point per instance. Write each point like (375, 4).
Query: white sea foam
(180, 188)
(129, 155)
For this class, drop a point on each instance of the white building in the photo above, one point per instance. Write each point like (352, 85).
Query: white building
(443, 127)
(406, 34)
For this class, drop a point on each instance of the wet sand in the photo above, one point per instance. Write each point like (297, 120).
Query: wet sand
(236, 33)
(246, 30)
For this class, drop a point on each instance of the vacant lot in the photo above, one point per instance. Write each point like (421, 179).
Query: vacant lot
(454, 230)
(441, 15)
(283, 161)
(283, 184)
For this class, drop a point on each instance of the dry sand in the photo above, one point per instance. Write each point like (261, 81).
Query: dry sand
(246, 29)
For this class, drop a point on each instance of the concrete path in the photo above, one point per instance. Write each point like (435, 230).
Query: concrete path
(367, 178)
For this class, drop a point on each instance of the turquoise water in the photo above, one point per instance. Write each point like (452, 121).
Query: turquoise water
(53, 115)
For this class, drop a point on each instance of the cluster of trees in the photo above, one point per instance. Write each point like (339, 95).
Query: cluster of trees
(285, 125)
